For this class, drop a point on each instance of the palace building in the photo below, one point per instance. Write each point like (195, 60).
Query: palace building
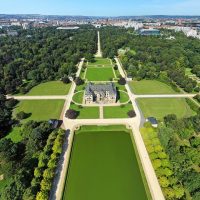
(100, 93)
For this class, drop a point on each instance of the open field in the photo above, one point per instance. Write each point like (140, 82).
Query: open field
(40, 110)
(160, 107)
(99, 169)
(99, 74)
(150, 87)
(50, 88)
(86, 112)
(117, 111)
(101, 61)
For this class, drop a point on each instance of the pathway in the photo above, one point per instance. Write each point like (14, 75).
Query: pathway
(101, 112)
(99, 52)
(37, 97)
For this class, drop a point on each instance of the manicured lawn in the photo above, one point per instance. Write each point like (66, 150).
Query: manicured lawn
(15, 134)
(99, 74)
(50, 88)
(40, 109)
(150, 87)
(160, 107)
(86, 112)
(120, 87)
(101, 61)
(78, 97)
(123, 97)
(101, 170)
(117, 111)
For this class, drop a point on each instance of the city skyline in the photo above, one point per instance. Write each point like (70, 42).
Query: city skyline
(101, 8)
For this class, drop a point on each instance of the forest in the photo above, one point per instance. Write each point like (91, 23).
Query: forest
(181, 141)
(155, 57)
(38, 55)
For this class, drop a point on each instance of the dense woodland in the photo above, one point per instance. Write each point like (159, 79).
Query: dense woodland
(39, 150)
(155, 57)
(180, 139)
(42, 54)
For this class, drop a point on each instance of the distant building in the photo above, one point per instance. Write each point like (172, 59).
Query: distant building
(153, 121)
(100, 93)
(149, 32)
(68, 28)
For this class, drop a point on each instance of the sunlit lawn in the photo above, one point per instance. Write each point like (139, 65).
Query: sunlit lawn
(160, 107)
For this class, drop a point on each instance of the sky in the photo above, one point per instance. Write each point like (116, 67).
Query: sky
(101, 7)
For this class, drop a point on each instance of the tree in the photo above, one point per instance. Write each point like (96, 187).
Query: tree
(65, 80)
(122, 81)
(131, 114)
(164, 182)
(21, 115)
(71, 114)
(79, 81)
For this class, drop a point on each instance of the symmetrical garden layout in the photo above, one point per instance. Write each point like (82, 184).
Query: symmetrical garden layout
(105, 161)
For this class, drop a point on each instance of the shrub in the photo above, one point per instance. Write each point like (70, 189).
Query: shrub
(115, 67)
(164, 182)
(131, 114)
(65, 80)
(122, 81)
(79, 81)
(21, 115)
(197, 97)
(72, 114)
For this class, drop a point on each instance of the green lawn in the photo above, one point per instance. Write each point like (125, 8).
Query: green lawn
(101, 170)
(50, 88)
(15, 134)
(117, 111)
(99, 74)
(123, 97)
(40, 109)
(150, 87)
(78, 97)
(160, 107)
(101, 61)
(86, 112)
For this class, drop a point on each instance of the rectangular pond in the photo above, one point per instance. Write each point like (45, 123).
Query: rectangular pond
(104, 166)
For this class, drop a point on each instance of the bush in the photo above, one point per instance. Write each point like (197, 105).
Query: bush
(65, 80)
(115, 67)
(21, 115)
(197, 97)
(122, 81)
(72, 114)
(192, 105)
(131, 113)
(79, 81)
